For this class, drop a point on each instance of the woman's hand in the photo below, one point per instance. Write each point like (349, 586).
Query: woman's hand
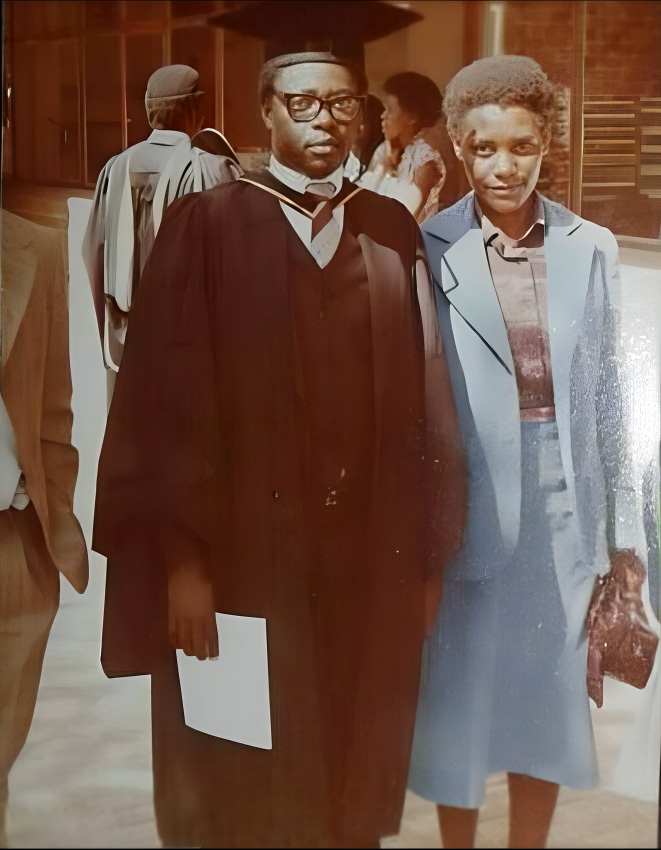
(616, 611)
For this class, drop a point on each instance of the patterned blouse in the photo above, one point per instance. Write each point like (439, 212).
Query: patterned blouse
(401, 183)
(518, 270)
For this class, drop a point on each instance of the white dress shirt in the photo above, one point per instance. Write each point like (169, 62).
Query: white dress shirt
(324, 245)
(12, 489)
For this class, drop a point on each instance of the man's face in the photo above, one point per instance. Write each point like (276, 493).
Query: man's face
(317, 147)
(502, 150)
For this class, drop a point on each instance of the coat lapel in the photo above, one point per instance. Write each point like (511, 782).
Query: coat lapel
(465, 277)
(458, 259)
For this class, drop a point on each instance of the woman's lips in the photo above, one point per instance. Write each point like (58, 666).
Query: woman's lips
(505, 190)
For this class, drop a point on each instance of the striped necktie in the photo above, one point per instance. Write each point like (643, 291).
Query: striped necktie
(321, 192)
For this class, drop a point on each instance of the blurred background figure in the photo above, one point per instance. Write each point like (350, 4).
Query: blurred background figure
(410, 165)
(39, 534)
(369, 139)
(132, 192)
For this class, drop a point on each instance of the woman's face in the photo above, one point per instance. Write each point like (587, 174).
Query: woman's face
(395, 122)
(502, 150)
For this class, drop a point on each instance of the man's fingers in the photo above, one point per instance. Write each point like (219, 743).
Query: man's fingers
(185, 632)
(212, 637)
(195, 636)
(199, 638)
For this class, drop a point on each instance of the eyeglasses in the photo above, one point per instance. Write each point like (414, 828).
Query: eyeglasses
(306, 107)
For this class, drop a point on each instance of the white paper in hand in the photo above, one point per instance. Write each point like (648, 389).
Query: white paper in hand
(229, 697)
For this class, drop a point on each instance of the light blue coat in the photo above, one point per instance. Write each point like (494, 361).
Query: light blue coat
(583, 306)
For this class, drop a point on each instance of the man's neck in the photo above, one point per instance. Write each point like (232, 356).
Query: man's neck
(298, 181)
(177, 135)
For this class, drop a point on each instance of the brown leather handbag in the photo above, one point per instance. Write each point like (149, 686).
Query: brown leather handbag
(622, 644)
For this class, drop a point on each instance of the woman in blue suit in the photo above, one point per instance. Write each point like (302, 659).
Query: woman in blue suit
(527, 296)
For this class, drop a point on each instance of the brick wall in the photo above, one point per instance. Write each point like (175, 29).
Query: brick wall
(544, 31)
(623, 48)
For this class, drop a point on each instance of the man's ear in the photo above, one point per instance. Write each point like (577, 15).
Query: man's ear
(457, 148)
(267, 109)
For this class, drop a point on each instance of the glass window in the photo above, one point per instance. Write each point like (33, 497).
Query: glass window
(143, 11)
(103, 101)
(42, 19)
(144, 54)
(46, 117)
(100, 14)
(196, 46)
(187, 8)
(243, 60)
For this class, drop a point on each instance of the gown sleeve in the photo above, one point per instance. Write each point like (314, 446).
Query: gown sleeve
(158, 461)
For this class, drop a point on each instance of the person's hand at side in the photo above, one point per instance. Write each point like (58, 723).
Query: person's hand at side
(616, 607)
(192, 618)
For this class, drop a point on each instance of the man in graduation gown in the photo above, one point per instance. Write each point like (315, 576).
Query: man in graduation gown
(283, 444)
(132, 191)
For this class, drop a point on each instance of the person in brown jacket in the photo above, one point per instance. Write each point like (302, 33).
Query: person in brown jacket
(39, 535)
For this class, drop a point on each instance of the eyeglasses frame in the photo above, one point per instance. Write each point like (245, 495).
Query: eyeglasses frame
(323, 102)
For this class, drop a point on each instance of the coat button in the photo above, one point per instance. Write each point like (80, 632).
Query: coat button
(276, 495)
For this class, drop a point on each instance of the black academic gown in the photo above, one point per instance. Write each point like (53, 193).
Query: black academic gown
(270, 422)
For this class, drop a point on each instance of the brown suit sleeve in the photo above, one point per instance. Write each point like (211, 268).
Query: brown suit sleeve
(446, 471)
(59, 457)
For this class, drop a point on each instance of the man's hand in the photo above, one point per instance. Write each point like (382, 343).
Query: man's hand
(192, 619)
(433, 593)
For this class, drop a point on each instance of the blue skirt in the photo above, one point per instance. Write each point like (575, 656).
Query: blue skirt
(503, 676)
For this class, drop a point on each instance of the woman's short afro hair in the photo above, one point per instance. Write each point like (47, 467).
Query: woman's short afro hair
(505, 81)
(417, 95)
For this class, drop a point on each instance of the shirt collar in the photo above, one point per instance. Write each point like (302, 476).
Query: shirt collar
(491, 233)
(167, 137)
(300, 182)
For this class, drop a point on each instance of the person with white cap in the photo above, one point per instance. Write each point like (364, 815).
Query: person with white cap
(133, 190)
